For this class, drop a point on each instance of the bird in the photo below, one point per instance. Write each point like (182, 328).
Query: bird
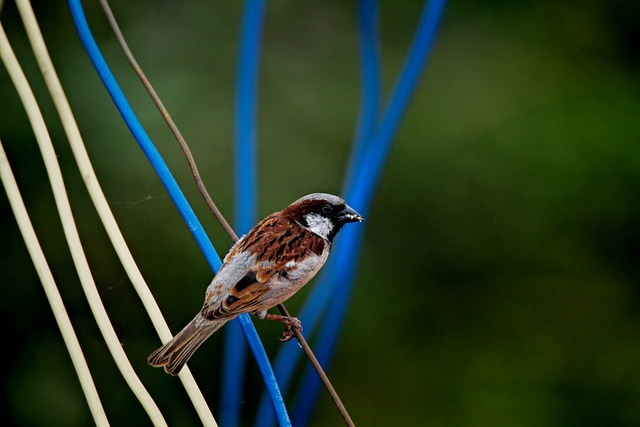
(264, 268)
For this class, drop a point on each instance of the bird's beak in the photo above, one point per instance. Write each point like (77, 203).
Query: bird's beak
(349, 215)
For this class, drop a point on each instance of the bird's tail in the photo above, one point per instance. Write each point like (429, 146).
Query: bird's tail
(175, 353)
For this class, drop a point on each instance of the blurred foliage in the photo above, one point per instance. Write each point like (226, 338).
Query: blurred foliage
(499, 277)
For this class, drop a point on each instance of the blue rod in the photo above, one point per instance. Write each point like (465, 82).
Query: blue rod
(176, 195)
(371, 87)
(309, 391)
(234, 359)
(367, 175)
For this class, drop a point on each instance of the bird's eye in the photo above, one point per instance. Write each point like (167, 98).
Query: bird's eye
(326, 209)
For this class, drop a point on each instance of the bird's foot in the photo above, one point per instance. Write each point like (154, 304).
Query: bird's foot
(292, 324)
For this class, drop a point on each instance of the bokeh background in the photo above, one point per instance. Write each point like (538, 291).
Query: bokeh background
(499, 280)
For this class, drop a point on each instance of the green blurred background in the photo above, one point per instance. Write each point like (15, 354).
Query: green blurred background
(499, 280)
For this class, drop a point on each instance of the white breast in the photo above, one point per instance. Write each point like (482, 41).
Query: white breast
(283, 287)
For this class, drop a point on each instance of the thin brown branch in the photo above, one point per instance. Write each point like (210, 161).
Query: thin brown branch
(167, 117)
(205, 194)
(323, 376)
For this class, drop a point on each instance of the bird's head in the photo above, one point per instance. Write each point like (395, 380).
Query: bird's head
(322, 214)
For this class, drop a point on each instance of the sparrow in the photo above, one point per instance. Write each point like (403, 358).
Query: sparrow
(263, 269)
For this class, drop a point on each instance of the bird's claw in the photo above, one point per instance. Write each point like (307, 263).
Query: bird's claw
(291, 325)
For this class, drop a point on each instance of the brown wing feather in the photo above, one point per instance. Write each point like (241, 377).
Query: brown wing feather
(275, 242)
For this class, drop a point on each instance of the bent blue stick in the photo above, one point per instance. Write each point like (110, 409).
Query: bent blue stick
(246, 193)
(176, 195)
(360, 193)
(371, 85)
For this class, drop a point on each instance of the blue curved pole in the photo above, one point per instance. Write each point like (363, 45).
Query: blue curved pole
(360, 193)
(246, 194)
(176, 195)
(371, 82)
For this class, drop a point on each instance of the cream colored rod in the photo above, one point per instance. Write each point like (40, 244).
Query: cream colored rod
(51, 290)
(71, 233)
(99, 200)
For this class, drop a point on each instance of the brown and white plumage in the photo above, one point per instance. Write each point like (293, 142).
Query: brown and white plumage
(263, 269)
